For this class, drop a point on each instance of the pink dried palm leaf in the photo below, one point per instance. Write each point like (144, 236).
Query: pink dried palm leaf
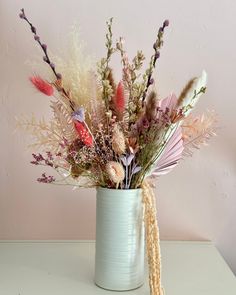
(171, 154)
(197, 131)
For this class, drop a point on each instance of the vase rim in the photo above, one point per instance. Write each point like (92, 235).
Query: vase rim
(114, 189)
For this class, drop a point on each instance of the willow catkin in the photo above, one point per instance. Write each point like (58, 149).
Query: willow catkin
(152, 240)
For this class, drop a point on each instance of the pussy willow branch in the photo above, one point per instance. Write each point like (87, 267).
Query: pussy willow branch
(43, 46)
(46, 58)
(156, 46)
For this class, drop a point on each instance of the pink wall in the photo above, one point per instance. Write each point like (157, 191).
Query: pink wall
(197, 200)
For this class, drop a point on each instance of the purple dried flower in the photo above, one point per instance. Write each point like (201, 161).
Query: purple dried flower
(127, 159)
(46, 179)
(38, 157)
(136, 169)
(45, 59)
(151, 81)
(36, 38)
(78, 115)
(52, 65)
(49, 154)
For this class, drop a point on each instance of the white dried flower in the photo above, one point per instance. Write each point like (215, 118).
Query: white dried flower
(115, 171)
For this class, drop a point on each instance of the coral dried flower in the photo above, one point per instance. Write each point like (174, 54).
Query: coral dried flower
(83, 133)
(42, 85)
(115, 172)
(119, 98)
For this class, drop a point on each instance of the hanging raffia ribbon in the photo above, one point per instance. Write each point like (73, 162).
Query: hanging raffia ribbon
(152, 240)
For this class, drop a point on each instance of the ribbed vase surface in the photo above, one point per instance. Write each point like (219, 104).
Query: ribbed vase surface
(119, 261)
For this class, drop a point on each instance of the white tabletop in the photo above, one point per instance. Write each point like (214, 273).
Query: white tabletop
(66, 268)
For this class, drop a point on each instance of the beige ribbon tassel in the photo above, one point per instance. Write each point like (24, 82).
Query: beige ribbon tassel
(152, 240)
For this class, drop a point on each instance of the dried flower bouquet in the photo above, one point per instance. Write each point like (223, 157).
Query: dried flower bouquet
(112, 134)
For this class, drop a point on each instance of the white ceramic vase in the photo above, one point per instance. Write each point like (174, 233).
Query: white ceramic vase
(119, 261)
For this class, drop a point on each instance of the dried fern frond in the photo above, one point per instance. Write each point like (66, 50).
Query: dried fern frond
(197, 131)
(63, 121)
(45, 134)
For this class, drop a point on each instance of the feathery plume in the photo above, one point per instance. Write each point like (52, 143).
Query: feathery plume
(185, 91)
(197, 131)
(191, 95)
